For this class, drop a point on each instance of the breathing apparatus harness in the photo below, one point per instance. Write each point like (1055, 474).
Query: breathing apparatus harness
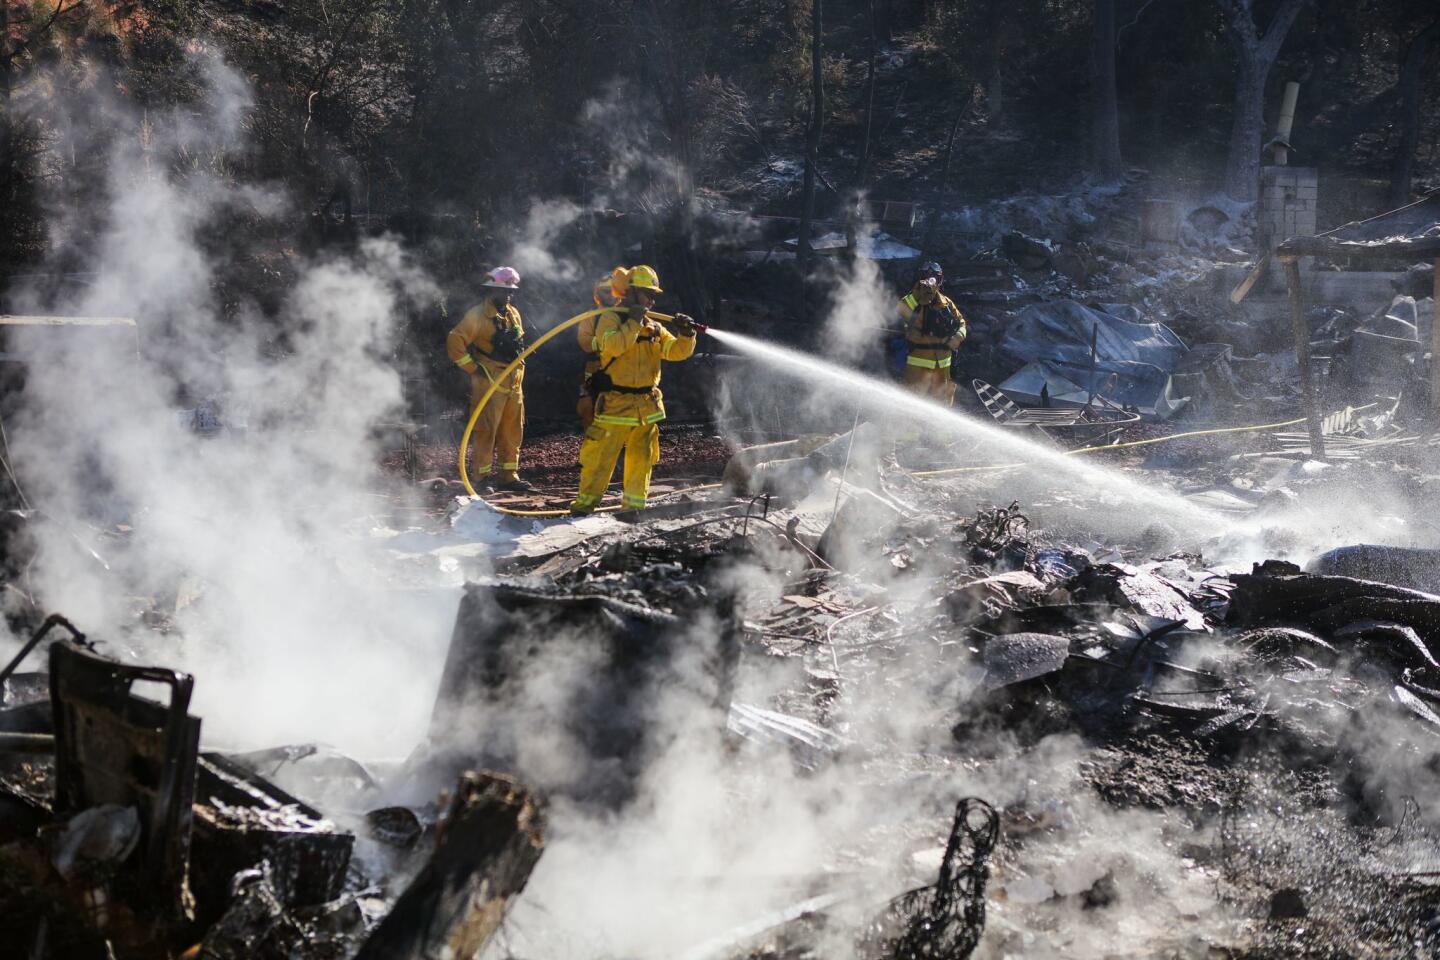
(941, 319)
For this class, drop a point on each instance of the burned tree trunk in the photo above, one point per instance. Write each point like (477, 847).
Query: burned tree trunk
(1242, 166)
(942, 184)
(676, 67)
(1255, 55)
(999, 27)
(1410, 92)
(812, 138)
(862, 174)
(1105, 107)
(5, 179)
(4, 63)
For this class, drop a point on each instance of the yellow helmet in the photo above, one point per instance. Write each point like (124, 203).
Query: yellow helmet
(645, 278)
(605, 291)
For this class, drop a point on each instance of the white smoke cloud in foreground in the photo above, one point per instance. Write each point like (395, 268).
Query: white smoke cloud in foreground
(289, 635)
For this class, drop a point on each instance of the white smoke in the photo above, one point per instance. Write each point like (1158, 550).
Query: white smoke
(862, 305)
(253, 541)
(532, 252)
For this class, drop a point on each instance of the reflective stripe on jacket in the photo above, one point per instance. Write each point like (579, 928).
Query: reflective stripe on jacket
(631, 352)
(914, 313)
(478, 328)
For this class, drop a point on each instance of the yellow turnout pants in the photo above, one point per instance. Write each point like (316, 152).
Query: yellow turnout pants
(623, 424)
(500, 428)
(932, 382)
(924, 376)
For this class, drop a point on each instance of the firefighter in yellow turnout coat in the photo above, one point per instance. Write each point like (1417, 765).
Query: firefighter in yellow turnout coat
(934, 329)
(609, 291)
(483, 344)
(629, 405)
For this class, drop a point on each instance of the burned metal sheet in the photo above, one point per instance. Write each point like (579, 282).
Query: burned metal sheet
(1412, 568)
(241, 820)
(589, 672)
(1130, 364)
(1016, 657)
(1402, 640)
(115, 747)
(1418, 707)
(1270, 643)
(991, 596)
(1411, 231)
(1136, 590)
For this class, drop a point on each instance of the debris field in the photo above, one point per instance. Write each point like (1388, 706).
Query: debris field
(1105, 731)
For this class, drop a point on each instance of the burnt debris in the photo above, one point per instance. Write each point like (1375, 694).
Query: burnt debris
(119, 838)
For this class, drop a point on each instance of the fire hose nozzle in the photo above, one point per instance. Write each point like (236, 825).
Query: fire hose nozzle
(690, 322)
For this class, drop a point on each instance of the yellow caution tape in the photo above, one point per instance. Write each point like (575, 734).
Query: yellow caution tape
(1252, 428)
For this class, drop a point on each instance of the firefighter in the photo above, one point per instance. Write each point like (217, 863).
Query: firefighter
(928, 269)
(609, 291)
(934, 330)
(626, 387)
(483, 344)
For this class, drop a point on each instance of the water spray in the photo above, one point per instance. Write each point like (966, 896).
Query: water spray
(902, 401)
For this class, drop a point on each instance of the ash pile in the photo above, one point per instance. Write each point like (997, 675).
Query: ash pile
(942, 728)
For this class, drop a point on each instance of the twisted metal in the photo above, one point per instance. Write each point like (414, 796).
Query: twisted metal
(944, 921)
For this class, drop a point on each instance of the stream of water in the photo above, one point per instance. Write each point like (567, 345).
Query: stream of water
(892, 399)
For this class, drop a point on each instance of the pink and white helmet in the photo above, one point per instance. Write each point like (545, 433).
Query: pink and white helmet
(506, 278)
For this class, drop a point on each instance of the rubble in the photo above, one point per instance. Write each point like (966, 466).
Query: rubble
(241, 820)
(123, 835)
(486, 844)
(1092, 669)
(1165, 664)
(947, 918)
(507, 639)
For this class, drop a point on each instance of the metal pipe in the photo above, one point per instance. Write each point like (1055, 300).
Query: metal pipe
(30, 644)
(1280, 146)
(1287, 111)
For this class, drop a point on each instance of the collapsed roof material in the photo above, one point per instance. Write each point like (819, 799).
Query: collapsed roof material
(881, 246)
(1412, 230)
(1132, 365)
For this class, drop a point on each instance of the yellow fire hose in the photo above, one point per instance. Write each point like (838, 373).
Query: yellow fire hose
(495, 385)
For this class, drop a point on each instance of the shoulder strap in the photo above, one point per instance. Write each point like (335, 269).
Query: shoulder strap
(607, 310)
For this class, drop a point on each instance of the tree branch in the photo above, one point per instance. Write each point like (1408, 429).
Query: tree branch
(1280, 25)
(60, 10)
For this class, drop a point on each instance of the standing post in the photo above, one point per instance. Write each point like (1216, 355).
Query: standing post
(1435, 349)
(1301, 331)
